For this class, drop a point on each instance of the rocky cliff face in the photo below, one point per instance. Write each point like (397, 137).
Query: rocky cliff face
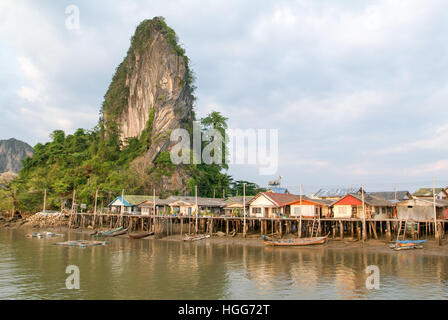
(12, 152)
(151, 92)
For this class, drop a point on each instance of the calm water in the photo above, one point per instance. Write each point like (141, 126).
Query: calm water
(150, 269)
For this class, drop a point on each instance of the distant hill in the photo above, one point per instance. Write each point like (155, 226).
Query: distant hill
(12, 152)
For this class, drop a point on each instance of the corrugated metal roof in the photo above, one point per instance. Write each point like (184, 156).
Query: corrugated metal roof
(336, 192)
(373, 201)
(238, 199)
(392, 195)
(426, 192)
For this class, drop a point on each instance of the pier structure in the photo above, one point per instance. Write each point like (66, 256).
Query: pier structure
(338, 228)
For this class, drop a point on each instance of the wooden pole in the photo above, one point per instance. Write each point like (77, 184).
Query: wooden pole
(73, 201)
(364, 227)
(154, 202)
(436, 229)
(45, 201)
(244, 209)
(122, 202)
(96, 201)
(197, 208)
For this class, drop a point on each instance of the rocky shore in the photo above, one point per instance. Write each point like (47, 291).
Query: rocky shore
(37, 221)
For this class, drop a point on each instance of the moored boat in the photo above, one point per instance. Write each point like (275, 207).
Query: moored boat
(407, 244)
(140, 235)
(295, 242)
(117, 233)
(82, 243)
(196, 238)
(106, 233)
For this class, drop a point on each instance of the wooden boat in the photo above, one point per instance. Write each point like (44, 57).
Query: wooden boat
(140, 235)
(117, 233)
(407, 245)
(43, 235)
(82, 243)
(295, 242)
(196, 238)
(106, 233)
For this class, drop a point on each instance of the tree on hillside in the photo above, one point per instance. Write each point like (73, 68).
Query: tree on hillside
(7, 192)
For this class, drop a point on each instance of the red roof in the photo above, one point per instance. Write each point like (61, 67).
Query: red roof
(307, 201)
(279, 199)
(348, 200)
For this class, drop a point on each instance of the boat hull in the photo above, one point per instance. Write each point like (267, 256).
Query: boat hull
(197, 238)
(296, 242)
(140, 235)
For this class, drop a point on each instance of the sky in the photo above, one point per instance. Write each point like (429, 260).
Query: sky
(356, 89)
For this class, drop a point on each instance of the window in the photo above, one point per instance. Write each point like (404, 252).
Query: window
(296, 211)
(256, 210)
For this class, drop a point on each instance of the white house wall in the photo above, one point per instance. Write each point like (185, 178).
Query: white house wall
(342, 211)
(307, 211)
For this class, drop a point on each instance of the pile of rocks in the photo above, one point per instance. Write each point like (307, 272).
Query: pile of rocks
(42, 220)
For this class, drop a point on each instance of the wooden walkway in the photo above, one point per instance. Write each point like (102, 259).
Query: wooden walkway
(299, 227)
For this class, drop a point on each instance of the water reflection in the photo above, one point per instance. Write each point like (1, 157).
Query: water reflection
(147, 269)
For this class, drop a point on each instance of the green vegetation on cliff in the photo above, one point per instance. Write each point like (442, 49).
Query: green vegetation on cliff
(117, 95)
(88, 160)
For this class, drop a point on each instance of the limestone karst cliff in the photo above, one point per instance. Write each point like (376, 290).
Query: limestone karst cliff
(151, 92)
(12, 152)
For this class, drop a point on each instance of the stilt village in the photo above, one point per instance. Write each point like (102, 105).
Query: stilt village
(335, 213)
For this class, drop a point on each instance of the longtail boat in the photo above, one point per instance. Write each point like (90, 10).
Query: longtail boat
(117, 233)
(82, 243)
(407, 244)
(140, 235)
(196, 238)
(107, 233)
(295, 242)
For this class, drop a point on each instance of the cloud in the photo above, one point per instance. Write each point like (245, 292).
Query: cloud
(437, 140)
(357, 89)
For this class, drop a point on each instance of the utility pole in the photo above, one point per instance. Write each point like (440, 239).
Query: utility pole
(223, 193)
(73, 201)
(96, 201)
(300, 200)
(364, 226)
(197, 208)
(154, 202)
(122, 203)
(436, 228)
(244, 208)
(214, 192)
(45, 200)
(72, 211)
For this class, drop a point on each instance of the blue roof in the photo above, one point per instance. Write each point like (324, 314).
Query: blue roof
(278, 190)
(125, 202)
